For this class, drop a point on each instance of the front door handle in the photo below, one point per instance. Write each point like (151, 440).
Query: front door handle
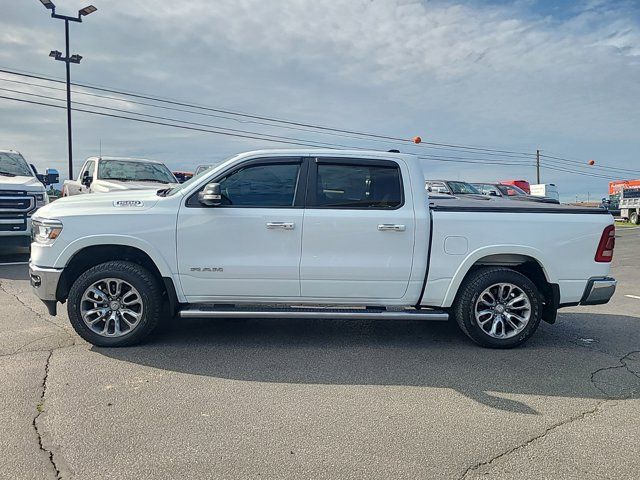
(281, 225)
(388, 227)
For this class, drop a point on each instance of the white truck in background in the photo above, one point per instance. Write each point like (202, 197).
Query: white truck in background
(114, 174)
(630, 205)
(545, 190)
(293, 233)
(22, 191)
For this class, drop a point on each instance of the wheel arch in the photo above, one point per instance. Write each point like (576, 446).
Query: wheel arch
(95, 254)
(523, 260)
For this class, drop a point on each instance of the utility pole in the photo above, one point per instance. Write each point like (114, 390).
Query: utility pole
(538, 166)
(68, 60)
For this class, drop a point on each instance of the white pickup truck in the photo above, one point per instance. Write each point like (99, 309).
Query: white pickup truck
(22, 191)
(114, 174)
(308, 233)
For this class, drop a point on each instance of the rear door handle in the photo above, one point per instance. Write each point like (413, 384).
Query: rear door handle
(281, 225)
(388, 227)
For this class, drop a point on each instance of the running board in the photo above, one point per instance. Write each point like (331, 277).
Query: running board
(229, 311)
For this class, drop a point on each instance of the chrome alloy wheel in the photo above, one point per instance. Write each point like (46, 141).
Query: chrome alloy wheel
(503, 310)
(111, 307)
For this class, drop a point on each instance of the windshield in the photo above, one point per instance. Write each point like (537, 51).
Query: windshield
(125, 170)
(462, 188)
(511, 190)
(13, 164)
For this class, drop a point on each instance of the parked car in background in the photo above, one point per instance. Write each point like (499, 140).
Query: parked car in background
(548, 190)
(113, 174)
(521, 184)
(510, 192)
(293, 233)
(183, 176)
(452, 187)
(22, 191)
(630, 205)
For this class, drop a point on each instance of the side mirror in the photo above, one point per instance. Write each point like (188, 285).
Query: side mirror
(51, 177)
(210, 195)
(86, 179)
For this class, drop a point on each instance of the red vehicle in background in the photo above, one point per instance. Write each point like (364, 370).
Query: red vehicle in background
(183, 176)
(521, 184)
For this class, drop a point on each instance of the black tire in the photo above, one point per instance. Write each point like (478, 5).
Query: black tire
(144, 282)
(634, 218)
(476, 283)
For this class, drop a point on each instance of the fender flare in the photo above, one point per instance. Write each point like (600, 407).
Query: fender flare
(96, 240)
(473, 257)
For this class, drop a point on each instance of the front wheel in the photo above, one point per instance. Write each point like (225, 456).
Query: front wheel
(115, 304)
(498, 307)
(634, 218)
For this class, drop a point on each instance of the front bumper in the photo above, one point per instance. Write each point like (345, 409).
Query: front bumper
(44, 282)
(598, 291)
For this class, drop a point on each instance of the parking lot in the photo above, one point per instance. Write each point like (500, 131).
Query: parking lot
(322, 399)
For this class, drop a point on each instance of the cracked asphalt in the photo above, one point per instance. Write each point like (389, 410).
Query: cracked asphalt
(322, 399)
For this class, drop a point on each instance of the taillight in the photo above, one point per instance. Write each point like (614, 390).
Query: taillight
(606, 245)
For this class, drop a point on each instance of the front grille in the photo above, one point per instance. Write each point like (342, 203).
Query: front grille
(13, 222)
(16, 202)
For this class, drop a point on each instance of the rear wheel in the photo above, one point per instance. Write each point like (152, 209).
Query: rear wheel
(498, 307)
(634, 218)
(115, 304)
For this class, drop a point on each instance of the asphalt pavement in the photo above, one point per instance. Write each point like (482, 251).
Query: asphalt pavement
(322, 399)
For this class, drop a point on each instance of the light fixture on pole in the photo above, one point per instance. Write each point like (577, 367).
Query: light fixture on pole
(67, 59)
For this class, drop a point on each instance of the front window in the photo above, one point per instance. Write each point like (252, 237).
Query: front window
(463, 188)
(126, 170)
(13, 164)
(271, 185)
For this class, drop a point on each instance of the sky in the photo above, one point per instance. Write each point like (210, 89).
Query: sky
(562, 77)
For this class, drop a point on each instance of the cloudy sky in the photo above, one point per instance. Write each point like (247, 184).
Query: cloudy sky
(563, 77)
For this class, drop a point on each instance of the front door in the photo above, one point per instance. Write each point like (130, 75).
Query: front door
(358, 231)
(250, 245)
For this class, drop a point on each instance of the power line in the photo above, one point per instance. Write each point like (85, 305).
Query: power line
(469, 160)
(273, 140)
(265, 118)
(577, 172)
(581, 164)
(104, 114)
(278, 137)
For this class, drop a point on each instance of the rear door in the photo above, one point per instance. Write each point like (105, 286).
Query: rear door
(359, 230)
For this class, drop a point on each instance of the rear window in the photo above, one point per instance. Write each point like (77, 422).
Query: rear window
(358, 186)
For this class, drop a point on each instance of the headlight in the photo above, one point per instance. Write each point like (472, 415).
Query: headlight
(41, 199)
(45, 232)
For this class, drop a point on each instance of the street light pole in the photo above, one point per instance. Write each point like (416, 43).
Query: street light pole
(68, 59)
(68, 69)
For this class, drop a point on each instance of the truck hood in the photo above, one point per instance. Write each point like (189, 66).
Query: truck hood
(106, 203)
(21, 183)
(103, 186)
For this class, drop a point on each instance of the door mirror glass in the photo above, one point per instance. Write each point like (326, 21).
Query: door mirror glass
(52, 176)
(86, 179)
(210, 195)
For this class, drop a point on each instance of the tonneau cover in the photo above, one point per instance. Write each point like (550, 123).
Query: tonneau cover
(450, 203)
